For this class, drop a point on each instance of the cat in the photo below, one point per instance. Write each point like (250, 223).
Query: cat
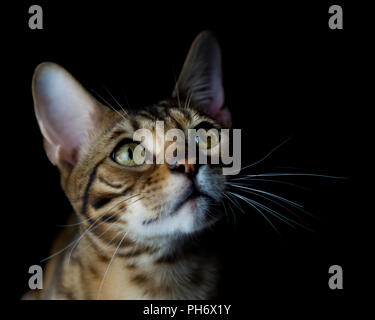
(136, 228)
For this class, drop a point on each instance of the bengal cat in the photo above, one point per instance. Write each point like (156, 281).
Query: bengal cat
(137, 226)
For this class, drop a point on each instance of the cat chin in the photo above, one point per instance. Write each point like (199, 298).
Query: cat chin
(191, 217)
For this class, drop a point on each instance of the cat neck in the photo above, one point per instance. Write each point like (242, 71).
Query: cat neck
(181, 270)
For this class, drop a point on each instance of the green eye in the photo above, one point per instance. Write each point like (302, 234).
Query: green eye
(125, 155)
(210, 142)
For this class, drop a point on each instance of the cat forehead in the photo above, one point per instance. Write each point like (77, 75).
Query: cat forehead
(171, 117)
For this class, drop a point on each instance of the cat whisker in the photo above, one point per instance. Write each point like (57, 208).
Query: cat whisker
(109, 264)
(235, 204)
(105, 231)
(101, 235)
(114, 99)
(75, 241)
(288, 221)
(108, 243)
(281, 174)
(256, 179)
(267, 155)
(258, 210)
(90, 228)
(282, 206)
(126, 98)
(188, 100)
(177, 92)
(97, 225)
(60, 251)
(235, 200)
(282, 217)
(232, 212)
(89, 219)
(225, 210)
(269, 194)
(109, 105)
(210, 214)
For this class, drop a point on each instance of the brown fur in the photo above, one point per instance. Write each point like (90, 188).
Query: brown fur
(137, 270)
(110, 199)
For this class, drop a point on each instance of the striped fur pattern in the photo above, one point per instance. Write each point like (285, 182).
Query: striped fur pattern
(136, 229)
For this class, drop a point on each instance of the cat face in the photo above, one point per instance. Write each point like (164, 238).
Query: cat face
(148, 199)
(93, 146)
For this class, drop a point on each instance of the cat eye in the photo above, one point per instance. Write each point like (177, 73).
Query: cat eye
(125, 155)
(208, 144)
(208, 141)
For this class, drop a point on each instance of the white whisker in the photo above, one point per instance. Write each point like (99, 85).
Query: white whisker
(270, 194)
(109, 264)
(75, 241)
(267, 155)
(92, 226)
(109, 105)
(281, 174)
(256, 208)
(256, 179)
(116, 101)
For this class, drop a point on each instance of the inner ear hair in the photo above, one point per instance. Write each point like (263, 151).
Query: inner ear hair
(66, 112)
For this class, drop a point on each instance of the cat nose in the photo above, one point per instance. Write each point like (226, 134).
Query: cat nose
(187, 168)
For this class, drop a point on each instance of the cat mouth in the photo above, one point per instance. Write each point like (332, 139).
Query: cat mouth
(192, 195)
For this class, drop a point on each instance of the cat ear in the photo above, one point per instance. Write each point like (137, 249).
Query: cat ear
(201, 81)
(65, 111)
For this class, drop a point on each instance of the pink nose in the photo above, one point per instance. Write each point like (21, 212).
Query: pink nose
(187, 168)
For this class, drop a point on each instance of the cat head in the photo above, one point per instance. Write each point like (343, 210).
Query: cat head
(92, 145)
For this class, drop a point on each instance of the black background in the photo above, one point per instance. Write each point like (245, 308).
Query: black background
(285, 74)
